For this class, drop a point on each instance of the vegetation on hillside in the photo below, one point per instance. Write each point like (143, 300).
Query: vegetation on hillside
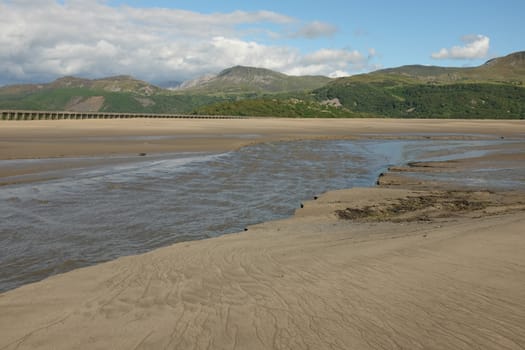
(493, 90)
(77, 99)
(475, 100)
(276, 107)
(509, 69)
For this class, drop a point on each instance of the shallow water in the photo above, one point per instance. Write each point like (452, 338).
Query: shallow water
(100, 213)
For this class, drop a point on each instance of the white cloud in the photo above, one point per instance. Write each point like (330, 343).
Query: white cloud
(333, 63)
(238, 52)
(314, 30)
(334, 56)
(338, 74)
(475, 46)
(44, 39)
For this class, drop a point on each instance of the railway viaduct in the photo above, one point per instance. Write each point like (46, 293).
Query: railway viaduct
(55, 115)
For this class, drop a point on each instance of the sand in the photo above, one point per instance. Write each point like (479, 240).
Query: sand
(67, 138)
(416, 268)
(71, 139)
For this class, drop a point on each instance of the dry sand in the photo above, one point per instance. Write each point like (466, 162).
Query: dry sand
(377, 268)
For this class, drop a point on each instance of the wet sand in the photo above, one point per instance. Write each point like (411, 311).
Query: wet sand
(415, 265)
(68, 139)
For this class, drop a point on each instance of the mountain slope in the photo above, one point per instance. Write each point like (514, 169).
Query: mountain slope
(495, 89)
(240, 79)
(126, 94)
(492, 90)
(507, 69)
(121, 83)
(113, 94)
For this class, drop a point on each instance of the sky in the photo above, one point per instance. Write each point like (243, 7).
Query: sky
(166, 41)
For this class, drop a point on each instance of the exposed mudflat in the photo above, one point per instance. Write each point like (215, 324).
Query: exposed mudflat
(428, 259)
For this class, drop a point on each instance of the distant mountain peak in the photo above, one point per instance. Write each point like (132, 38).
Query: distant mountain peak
(244, 79)
(244, 70)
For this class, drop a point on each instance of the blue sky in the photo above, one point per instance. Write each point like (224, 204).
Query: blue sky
(180, 40)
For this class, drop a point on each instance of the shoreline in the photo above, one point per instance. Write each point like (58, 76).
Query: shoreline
(402, 265)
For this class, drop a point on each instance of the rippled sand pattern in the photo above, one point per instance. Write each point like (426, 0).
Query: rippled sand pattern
(313, 281)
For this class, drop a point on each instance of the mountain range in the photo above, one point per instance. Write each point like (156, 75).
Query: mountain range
(495, 89)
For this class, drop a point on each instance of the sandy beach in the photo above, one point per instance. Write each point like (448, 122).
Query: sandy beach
(409, 264)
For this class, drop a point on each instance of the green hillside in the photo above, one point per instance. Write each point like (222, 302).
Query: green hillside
(387, 99)
(115, 94)
(126, 94)
(473, 100)
(509, 69)
(85, 100)
(275, 106)
(495, 89)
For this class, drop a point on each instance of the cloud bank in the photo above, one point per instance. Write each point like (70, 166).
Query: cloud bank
(41, 40)
(475, 46)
